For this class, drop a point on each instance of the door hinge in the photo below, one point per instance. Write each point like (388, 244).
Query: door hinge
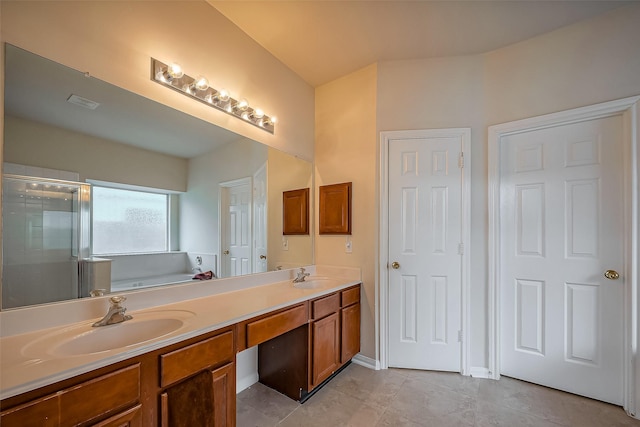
(460, 248)
(460, 336)
(461, 160)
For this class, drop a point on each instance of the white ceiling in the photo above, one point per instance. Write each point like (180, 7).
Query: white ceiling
(323, 40)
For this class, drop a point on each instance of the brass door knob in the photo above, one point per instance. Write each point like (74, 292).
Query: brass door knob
(225, 253)
(611, 275)
(263, 257)
(395, 265)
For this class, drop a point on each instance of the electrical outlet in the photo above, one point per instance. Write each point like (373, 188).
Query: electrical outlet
(347, 245)
(285, 244)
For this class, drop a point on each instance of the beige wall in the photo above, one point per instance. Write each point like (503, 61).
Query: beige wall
(446, 93)
(590, 62)
(199, 205)
(284, 173)
(114, 40)
(37, 144)
(346, 151)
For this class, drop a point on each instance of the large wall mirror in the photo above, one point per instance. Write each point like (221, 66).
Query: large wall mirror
(107, 191)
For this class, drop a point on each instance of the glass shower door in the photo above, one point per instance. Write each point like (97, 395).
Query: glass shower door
(45, 232)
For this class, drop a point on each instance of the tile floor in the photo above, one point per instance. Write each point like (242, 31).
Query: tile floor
(397, 397)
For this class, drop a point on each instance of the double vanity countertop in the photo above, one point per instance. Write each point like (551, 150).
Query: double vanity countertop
(41, 357)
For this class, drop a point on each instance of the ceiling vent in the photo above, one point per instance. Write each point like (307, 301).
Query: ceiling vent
(83, 102)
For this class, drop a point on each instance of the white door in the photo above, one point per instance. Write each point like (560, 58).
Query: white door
(260, 220)
(236, 228)
(561, 229)
(425, 221)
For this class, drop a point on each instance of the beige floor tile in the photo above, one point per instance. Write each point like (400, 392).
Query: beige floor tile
(330, 407)
(357, 381)
(360, 397)
(419, 401)
(524, 397)
(451, 380)
(490, 415)
(247, 416)
(585, 412)
(393, 419)
(268, 401)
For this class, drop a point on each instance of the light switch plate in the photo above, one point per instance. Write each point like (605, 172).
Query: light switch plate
(285, 244)
(347, 245)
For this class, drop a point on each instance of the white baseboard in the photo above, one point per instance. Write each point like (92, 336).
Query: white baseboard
(479, 372)
(246, 382)
(365, 361)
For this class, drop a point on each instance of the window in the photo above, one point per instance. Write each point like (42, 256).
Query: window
(126, 221)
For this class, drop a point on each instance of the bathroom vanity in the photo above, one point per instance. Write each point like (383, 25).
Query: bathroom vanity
(304, 336)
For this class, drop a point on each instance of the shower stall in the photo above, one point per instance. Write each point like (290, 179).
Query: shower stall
(46, 235)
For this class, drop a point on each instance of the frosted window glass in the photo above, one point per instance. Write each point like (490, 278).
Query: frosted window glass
(127, 221)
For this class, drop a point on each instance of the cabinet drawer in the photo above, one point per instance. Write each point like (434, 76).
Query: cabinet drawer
(324, 306)
(80, 404)
(100, 396)
(189, 360)
(269, 327)
(350, 296)
(42, 412)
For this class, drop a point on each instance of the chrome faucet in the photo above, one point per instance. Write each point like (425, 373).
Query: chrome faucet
(198, 269)
(115, 313)
(301, 275)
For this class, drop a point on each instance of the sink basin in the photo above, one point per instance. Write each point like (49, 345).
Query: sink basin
(85, 339)
(116, 336)
(315, 283)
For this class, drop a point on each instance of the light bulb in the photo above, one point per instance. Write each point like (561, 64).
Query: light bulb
(223, 95)
(242, 104)
(175, 71)
(258, 113)
(201, 83)
(270, 121)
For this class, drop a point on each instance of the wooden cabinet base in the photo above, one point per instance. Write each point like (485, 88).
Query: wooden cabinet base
(283, 363)
(302, 360)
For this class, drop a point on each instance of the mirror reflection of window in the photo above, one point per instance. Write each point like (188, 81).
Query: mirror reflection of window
(126, 221)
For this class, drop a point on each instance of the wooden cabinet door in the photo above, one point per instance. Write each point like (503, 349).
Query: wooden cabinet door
(224, 396)
(326, 348)
(206, 399)
(129, 418)
(350, 323)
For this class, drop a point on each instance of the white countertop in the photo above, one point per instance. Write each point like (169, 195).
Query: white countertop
(22, 371)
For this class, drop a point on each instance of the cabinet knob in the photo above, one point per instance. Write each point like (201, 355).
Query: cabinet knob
(225, 252)
(263, 257)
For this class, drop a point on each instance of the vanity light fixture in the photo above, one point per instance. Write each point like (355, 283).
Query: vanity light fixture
(198, 88)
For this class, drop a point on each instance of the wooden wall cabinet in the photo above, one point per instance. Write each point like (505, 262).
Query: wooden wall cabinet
(295, 212)
(335, 209)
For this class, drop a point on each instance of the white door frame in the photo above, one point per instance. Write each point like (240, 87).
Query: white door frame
(630, 111)
(222, 223)
(382, 290)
